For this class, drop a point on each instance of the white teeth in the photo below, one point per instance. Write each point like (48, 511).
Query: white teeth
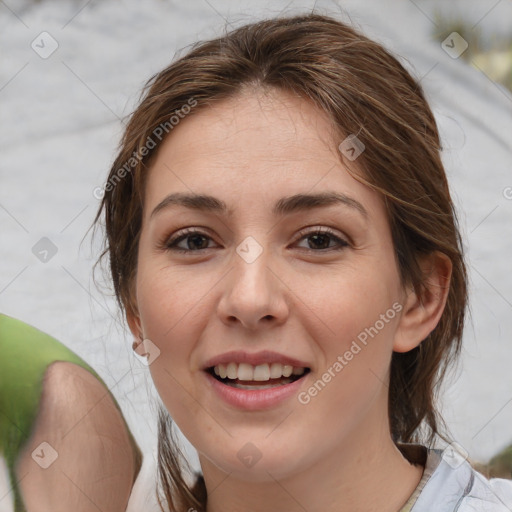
(261, 372)
(287, 370)
(245, 371)
(276, 370)
(232, 370)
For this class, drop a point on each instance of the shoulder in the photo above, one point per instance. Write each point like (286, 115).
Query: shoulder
(493, 495)
(455, 486)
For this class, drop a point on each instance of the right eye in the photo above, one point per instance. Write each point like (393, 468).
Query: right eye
(193, 239)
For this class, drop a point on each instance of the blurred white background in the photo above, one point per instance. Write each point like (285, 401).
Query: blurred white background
(60, 123)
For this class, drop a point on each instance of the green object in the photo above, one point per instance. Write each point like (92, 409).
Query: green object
(25, 354)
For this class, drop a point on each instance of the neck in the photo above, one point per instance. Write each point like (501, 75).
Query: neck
(364, 473)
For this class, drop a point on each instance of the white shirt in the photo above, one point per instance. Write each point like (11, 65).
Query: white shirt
(450, 484)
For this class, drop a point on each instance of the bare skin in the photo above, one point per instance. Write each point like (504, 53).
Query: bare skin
(95, 467)
(334, 454)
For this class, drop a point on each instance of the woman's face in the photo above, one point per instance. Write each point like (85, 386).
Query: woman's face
(243, 281)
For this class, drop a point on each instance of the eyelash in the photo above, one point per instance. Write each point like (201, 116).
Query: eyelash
(170, 244)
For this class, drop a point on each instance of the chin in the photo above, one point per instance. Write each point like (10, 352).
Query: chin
(251, 464)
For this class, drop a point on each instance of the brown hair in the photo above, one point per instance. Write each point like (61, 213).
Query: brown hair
(365, 91)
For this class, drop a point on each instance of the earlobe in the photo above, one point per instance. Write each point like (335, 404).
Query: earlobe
(422, 310)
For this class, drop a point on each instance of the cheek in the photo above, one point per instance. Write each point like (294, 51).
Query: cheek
(346, 307)
(357, 351)
(167, 302)
(358, 317)
(166, 307)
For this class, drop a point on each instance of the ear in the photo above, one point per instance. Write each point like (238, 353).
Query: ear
(421, 313)
(133, 320)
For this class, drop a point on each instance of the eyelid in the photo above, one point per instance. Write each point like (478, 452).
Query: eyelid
(169, 243)
(323, 230)
(165, 243)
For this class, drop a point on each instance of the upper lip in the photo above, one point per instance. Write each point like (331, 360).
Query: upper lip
(255, 358)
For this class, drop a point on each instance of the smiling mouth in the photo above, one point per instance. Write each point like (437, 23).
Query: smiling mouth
(261, 383)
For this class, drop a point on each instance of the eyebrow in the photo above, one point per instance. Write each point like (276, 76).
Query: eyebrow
(284, 206)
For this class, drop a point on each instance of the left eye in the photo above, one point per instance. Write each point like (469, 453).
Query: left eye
(322, 237)
(197, 241)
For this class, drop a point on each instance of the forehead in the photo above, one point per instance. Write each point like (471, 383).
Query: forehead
(255, 123)
(254, 147)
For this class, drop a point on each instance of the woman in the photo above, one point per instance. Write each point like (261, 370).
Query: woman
(283, 242)
(284, 246)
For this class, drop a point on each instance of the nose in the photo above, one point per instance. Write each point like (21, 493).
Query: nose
(254, 294)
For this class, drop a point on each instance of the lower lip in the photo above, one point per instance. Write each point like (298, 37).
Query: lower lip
(254, 399)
